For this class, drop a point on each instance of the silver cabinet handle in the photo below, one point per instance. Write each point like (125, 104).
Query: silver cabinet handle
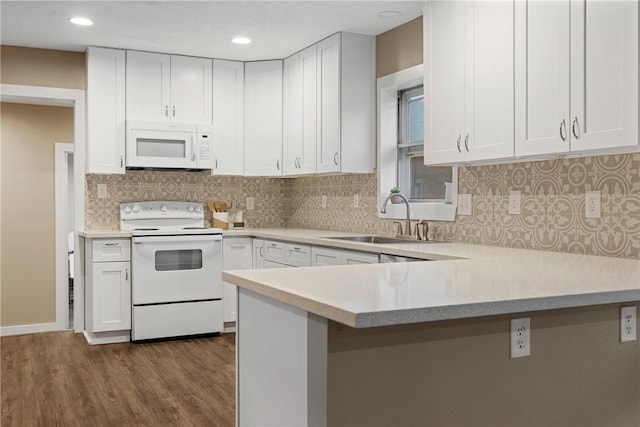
(112, 244)
(166, 111)
(278, 164)
(216, 163)
(274, 245)
(298, 161)
(261, 253)
(296, 249)
(575, 127)
(126, 274)
(174, 111)
(466, 143)
(458, 143)
(121, 161)
(335, 159)
(563, 130)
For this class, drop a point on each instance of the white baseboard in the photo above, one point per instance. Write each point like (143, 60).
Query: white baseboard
(6, 331)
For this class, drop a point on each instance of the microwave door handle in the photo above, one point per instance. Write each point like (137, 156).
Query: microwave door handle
(193, 148)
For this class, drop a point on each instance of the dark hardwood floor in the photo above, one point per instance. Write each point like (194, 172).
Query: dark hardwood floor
(57, 379)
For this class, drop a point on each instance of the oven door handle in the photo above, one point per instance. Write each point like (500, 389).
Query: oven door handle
(173, 239)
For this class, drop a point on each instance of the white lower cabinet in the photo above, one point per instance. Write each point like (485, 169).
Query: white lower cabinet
(108, 290)
(237, 254)
(326, 256)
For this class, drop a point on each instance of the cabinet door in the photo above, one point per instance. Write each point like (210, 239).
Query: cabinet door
(444, 80)
(111, 296)
(542, 77)
(604, 74)
(228, 113)
(325, 256)
(105, 110)
(328, 114)
(309, 86)
(191, 90)
(489, 85)
(293, 111)
(263, 118)
(148, 86)
(237, 255)
(297, 255)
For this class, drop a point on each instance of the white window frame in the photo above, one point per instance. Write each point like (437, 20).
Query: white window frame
(388, 87)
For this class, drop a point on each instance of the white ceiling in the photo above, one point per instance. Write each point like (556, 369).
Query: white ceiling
(196, 28)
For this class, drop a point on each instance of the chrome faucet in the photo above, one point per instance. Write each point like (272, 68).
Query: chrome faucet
(383, 209)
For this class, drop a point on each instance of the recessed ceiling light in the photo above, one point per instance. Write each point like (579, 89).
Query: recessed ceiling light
(81, 21)
(241, 40)
(389, 14)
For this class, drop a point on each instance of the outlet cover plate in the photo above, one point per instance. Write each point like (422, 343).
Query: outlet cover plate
(520, 337)
(592, 204)
(356, 201)
(251, 203)
(102, 191)
(628, 323)
(324, 201)
(464, 204)
(514, 202)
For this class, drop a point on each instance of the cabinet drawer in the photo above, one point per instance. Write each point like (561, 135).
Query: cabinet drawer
(274, 251)
(105, 250)
(359, 258)
(297, 255)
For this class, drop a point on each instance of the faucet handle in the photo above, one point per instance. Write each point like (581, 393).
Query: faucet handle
(425, 229)
(399, 230)
(418, 234)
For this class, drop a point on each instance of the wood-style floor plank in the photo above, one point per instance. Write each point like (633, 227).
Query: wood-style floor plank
(57, 379)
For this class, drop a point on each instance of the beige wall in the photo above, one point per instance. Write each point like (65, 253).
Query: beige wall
(399, 48)
(42, 67)
(458, 373)
(27, 283)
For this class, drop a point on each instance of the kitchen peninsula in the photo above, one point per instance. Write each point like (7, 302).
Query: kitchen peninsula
(427, 343)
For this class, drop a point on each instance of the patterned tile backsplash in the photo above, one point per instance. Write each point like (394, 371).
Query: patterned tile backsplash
(552, 209)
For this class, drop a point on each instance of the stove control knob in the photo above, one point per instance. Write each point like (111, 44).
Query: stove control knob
(197, 208)
(163, 208)
(127, 209)
(189, 208)
(136, 208)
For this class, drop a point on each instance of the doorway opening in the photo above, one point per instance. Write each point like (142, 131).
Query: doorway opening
(65, 228)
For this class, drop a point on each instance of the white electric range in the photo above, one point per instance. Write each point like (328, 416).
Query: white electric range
(176, 266)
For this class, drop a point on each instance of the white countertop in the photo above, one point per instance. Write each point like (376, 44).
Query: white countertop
(469, 281)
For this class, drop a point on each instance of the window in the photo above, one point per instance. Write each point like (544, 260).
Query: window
(420, 183)
(431, 190)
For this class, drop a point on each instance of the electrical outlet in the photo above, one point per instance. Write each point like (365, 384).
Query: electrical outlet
(592, 204)
(520, 337)
(514, 202)
(628, 323)
(356, 201)
(102, 191)
(324, 201)
(464, 204)
(251, 203)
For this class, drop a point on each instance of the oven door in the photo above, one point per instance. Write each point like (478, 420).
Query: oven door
(169, 269)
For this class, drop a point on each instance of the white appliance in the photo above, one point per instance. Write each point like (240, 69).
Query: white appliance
(168, 145)
(176, 270)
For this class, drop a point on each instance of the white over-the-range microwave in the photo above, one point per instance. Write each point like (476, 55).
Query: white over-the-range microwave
(168, 145)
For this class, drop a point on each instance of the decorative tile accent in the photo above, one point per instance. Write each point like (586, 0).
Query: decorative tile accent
(552, 211)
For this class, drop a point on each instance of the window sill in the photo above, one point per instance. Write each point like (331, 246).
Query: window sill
(431, 211)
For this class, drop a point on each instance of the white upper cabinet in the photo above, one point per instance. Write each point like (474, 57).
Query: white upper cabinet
(105, 110)
(577, 76)
(346, 104)
(228, 117)
(168, 88)
(300, 106)
(263, 118)
(469, 81)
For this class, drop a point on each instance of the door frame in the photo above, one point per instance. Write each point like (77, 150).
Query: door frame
(61, 218)
(60, 97)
